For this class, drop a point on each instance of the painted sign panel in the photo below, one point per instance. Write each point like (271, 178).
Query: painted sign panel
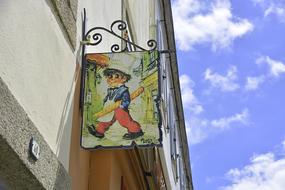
(121, 94)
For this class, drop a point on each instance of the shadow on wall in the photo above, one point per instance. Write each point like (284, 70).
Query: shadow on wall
(30, 174)
(60, 180)
(63, 138)
(2, 185)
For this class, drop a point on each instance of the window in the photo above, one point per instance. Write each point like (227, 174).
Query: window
(181, 174)
(173, 136)
(174, 154)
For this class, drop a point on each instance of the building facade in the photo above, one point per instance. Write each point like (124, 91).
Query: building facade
(40, 89)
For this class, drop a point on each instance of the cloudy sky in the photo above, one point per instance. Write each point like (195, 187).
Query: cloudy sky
(232, 72)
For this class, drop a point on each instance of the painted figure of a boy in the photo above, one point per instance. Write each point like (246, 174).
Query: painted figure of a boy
(117, 91)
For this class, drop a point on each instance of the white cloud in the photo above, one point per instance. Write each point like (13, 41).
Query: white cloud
(190, 101)
(227, 122)
(253, 83)
(264, 172)
(258, 1)
(225, 83)
(276, 67)
(283, 145)
(272, 7)
(199, 129)
(197, 23)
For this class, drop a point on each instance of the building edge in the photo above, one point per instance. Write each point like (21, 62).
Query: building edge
(167, 14)
(20, 170)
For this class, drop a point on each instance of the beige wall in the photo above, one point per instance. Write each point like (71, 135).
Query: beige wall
(79, 158)
(108, 167)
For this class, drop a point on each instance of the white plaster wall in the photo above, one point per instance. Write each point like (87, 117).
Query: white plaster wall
(100, 13)
(142, 20)
(38, 64)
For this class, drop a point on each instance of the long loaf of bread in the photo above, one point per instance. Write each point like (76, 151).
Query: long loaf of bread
(110, 108)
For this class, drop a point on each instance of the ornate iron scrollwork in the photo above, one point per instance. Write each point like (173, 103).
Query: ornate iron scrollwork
(93, 37)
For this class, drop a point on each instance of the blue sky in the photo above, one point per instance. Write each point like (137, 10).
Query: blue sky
(231, 57)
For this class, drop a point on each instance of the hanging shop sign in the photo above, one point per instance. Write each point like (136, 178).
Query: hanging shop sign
(119, 92)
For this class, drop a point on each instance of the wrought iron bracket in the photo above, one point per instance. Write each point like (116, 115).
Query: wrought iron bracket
(94, 37)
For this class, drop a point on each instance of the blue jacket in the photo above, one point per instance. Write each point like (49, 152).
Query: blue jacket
(119, 93)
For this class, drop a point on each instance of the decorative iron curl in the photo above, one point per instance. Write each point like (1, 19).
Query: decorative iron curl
(152, 44)
(115, 48)
(121, 25)
(96, 38)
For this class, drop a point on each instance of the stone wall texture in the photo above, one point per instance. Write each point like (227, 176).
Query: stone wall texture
(17, 168)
